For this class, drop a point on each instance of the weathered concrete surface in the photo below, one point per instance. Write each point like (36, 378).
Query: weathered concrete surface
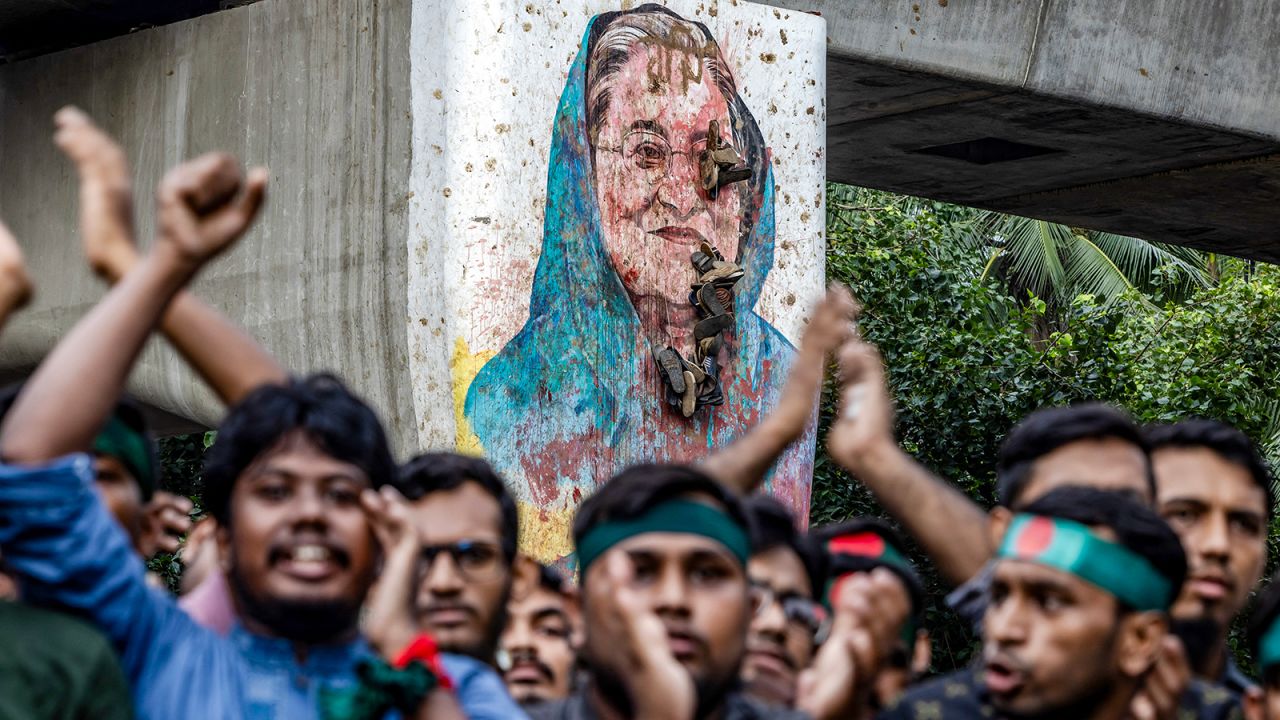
(1143, 99)
(306, 88)
(1162, 111)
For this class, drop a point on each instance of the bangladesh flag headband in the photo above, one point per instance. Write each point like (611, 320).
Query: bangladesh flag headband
(878, 552)
(1071, 547)
(673, 516)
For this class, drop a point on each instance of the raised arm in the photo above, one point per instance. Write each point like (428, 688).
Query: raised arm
(15, 285)
(227, 357)
(743, 464)
(950, 527)
(64, 404)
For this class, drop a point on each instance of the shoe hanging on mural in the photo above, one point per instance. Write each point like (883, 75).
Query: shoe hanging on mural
(693, 383)
(720, 164)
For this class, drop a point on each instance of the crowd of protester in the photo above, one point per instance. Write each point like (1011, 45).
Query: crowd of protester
(326, 581)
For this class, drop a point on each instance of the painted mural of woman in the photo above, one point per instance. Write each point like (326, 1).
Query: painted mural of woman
(576, 394)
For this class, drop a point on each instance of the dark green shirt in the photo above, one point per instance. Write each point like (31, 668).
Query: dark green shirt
(54, 667)
(962, 696)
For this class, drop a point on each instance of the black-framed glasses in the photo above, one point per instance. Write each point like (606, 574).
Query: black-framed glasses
(652, 155)
(801, 612)
(477, 560)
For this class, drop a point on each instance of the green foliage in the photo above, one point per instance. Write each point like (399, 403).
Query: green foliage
(181, 458)
(971, 346)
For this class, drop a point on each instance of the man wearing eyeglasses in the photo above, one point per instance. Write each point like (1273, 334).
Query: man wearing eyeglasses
(786, 574)
(468, 525)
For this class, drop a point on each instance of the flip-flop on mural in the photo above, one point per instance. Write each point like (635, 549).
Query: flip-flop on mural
(644, 340)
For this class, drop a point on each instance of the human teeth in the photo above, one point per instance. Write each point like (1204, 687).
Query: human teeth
(310, 553)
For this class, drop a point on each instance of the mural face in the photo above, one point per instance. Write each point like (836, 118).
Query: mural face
(561, 398)
(652, 207)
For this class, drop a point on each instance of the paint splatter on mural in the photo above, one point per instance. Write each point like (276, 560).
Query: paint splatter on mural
(576, 395)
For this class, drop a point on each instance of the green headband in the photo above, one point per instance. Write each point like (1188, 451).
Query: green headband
(129, 446)
(1269, 647)
(1071, 547)
(673, 516)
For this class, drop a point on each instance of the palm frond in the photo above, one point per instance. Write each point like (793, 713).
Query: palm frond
(1186, 269)
(1033, 254)
(1091, 270)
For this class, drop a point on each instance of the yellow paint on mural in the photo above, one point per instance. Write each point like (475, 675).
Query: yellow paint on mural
(544, 534)
(463, 368)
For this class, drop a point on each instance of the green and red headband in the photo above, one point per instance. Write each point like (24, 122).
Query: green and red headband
(869, 545)
(873, 549)
(1073, 548)
(673, 516)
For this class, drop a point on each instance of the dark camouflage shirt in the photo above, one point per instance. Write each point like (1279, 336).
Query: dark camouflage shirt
(961, 696)
(737, 707)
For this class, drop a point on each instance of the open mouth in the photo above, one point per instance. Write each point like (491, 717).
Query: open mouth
(528, 673)
(680, 235)
(1002, 678)
(309, 562)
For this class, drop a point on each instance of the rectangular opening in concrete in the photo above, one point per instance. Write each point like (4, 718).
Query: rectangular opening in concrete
(987, 151)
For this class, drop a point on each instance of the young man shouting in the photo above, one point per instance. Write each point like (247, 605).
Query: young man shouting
(1080, 595)
(285, 480)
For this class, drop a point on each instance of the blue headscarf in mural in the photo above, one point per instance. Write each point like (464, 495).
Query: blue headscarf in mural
(575, 395)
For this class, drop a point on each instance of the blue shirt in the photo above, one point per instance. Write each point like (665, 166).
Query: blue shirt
(69, 553)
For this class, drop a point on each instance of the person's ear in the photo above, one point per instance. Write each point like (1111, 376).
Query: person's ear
(1139, 642)
(524, 576)
(222, 535)
(1254, 703)
(997, 525)
(921, 654)
(573, 608)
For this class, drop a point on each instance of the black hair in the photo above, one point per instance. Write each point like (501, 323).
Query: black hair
(441, 471)
(1136, 526)
(839, 564)
(1048, 429)
(1265, 613)
(551, 580)
(1226, 441)
(772, 526)
(128, 411)
(639, 488)
(319, 407)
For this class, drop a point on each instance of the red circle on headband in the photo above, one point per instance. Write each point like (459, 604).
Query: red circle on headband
(1036, 536)
(863, 545)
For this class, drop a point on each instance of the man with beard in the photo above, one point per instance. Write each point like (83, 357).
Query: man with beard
(663, 551)
(1081, 588)
(1264, 642)
(860, 546)
(537, 649)
(1214, 489)
(290, 481)
(469, 528)
(787, 573)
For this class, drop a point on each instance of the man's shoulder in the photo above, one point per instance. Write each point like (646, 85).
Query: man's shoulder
(741, 707)
(949, 697)
(737, 707)
(568, 709)
(1210, 701)
(36, 629)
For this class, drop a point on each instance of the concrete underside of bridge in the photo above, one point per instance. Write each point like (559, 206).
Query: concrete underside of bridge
(1153, 118)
